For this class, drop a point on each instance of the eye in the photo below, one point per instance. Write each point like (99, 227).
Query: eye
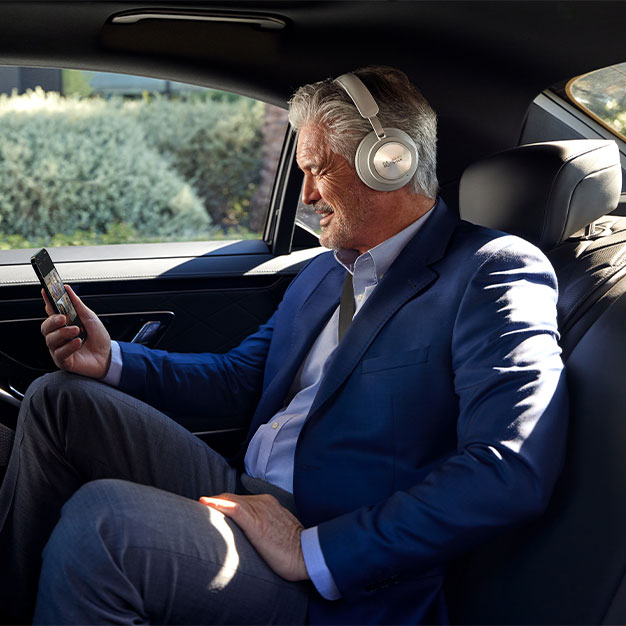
(319, 170)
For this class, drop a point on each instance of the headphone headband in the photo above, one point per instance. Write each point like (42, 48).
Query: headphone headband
(363, 100)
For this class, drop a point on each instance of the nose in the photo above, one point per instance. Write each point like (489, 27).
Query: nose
(310, 192)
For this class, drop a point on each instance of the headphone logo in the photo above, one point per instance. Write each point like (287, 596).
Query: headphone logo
(392, 162)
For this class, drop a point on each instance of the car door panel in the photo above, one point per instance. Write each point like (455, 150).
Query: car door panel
(203, 303)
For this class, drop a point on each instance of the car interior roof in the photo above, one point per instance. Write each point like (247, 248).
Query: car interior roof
(480, 64)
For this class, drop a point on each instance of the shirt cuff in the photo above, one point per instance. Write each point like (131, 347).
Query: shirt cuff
(316, 565)
(115, 368)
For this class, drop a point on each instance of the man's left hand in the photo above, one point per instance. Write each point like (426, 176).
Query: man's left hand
(271, 529)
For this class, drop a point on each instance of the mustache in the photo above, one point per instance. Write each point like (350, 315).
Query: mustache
(320, 205)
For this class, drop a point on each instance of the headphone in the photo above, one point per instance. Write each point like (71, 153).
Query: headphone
(386, 158)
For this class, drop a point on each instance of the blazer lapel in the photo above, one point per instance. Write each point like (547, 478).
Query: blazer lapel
(409, 274)
(306, 326)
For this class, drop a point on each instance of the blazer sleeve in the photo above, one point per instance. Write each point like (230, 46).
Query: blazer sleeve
(511, 429)
(223, 385)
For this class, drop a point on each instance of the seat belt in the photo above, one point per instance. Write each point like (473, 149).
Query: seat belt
(346, 306)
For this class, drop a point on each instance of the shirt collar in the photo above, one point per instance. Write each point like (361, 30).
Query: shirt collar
(385, 253)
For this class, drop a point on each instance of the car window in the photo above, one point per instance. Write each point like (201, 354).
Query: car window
(602, 94)
(307, 218)
(98, 158)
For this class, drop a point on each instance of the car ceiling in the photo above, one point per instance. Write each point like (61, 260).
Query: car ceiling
(479, 63)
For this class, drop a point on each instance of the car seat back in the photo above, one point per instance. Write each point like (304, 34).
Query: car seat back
(568, 566)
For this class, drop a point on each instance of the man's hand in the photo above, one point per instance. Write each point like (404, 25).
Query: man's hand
(270, 528)
(91, 358)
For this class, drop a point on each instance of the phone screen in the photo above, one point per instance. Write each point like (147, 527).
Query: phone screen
(59, 295)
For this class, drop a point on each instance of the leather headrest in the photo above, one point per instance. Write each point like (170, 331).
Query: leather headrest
(543, 192)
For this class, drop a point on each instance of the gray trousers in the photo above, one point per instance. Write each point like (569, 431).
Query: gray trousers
(109, 486)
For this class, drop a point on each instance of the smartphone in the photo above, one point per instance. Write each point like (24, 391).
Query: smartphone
(54, 289)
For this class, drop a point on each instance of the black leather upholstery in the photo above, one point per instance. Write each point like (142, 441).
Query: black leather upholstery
(544, 192)
(591, 271)
(569, 566)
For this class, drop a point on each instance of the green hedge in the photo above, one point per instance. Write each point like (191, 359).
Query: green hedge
(95, 170)
(214, 145)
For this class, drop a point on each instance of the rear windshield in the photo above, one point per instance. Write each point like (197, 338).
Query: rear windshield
(602, 95)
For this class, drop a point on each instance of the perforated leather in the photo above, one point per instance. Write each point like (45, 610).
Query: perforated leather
(591, 273)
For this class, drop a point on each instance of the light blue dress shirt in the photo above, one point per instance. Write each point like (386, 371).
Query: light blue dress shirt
(270, 454)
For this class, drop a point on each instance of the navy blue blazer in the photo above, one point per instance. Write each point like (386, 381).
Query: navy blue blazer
(440, 421)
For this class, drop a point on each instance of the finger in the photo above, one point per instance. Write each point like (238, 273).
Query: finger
(62, 353)
(49, 309)
(230, 497)
(229, 508)
(83, 311)
(52, 323)
(60, 337)
(221, 504)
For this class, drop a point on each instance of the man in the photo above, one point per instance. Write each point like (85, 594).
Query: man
(437, 420)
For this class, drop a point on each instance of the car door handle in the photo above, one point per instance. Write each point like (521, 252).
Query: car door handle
(10, 394)
(146, 332)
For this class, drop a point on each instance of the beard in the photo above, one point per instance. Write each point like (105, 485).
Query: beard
(346, 225)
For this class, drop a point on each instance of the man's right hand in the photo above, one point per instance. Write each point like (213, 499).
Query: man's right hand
(89, 358)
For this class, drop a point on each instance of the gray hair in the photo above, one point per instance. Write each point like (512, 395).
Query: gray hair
(401, 105)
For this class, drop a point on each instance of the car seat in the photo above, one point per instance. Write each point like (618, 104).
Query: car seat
(568, 567)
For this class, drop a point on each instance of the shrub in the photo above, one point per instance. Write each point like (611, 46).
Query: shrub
(69, 165)
(214, 145)
(89, 170)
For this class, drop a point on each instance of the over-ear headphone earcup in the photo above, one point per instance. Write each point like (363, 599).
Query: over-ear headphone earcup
(386, 164)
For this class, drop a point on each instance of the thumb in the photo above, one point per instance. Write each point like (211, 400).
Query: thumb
(83, 311)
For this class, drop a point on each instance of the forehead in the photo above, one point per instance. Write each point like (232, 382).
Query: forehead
(312, 146)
